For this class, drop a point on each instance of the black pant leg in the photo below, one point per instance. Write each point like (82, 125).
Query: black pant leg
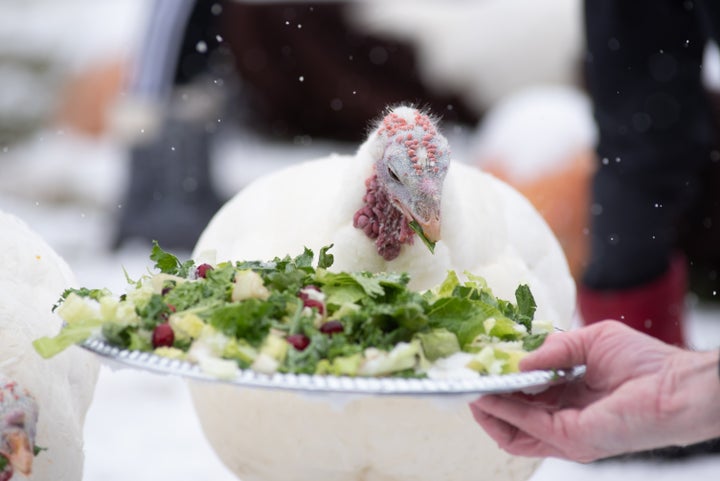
(644, 73)
(171, 197)
(200, 41)
(709, 14)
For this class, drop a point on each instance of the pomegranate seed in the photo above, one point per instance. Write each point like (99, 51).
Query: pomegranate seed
(202, 270)
(332, 327)
(317, 304)
(310, 302)
(163, 335)
(298, 341)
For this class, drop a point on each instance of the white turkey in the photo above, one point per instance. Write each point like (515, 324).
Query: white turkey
(42, 402)
(362, 204)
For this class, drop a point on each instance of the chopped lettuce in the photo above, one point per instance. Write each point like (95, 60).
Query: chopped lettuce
(70, 334)
(421, 234)
(438, 343)
(285, 315)
(168, 263)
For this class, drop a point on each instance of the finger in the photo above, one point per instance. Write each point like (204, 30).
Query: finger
(572, 348)
(550, 398)
(510, 438)
(537, 423)
(576, 394)
(560, 350)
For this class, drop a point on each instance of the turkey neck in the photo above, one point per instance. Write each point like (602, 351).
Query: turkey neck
(382, 221)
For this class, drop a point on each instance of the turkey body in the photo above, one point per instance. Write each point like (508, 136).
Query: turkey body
(31, 280)
(486, 228)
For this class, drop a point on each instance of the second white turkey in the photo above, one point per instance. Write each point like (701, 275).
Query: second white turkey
(32, 278)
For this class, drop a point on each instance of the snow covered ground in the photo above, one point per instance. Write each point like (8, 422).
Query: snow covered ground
(142, 426)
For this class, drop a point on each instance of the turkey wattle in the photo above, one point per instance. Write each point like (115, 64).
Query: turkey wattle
(31, 281)
(362, 204)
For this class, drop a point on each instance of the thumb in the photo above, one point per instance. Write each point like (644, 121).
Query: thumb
(560, 350)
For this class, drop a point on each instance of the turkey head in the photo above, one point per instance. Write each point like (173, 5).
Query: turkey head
(411, 161)
(18, 420)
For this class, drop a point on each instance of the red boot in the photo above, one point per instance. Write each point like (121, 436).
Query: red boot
(656, 308)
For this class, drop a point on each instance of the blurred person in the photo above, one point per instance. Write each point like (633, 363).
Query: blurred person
(657, 163)
(638, 394)
(171, 108)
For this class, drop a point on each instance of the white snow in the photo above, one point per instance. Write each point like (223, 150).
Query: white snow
(536, 131)
(485, 49)
(71, 33)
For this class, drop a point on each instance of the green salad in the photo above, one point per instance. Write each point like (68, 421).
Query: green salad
(292, 315)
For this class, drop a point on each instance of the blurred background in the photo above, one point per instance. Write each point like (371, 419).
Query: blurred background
(117, 115)
(95, 97)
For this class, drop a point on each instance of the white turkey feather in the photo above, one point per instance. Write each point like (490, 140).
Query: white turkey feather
(31, 280)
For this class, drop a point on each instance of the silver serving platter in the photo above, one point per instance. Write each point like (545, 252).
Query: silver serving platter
(531, 381)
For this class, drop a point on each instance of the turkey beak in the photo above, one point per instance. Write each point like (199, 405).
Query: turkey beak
(21, 453)
(431, 228)
(426, 212)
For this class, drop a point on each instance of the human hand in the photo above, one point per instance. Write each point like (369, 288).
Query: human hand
(638, 393)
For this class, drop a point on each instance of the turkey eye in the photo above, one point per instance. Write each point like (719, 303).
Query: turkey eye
(393, 175)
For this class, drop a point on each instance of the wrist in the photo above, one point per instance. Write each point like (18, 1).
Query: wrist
(694, 396)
